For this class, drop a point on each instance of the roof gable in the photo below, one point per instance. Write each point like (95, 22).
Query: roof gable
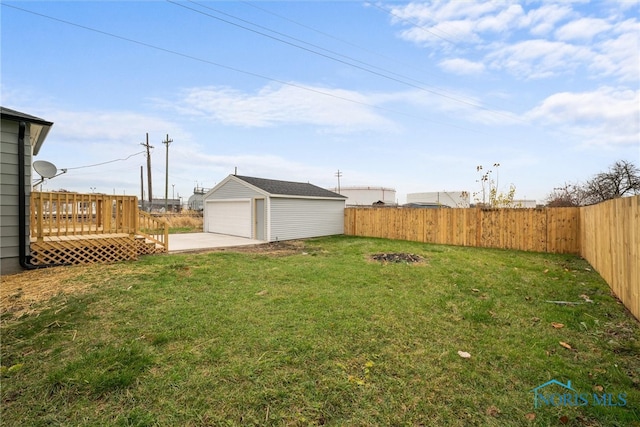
(289, 188)
(39, 127)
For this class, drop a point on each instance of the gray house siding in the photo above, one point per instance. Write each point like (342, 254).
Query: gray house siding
(295, 218)
(9, 233)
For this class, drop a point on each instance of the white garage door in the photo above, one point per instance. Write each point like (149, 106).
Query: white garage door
(229, 217)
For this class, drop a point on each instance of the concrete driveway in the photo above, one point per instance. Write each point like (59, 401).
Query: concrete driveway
(197, 241)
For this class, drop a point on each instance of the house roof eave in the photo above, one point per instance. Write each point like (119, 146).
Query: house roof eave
(39, 128)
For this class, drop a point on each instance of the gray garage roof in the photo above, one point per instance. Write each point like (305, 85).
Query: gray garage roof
(288, 188)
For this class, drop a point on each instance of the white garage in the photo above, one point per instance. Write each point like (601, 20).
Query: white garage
(272, 210)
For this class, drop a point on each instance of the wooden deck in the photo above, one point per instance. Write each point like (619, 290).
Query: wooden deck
(72, 228)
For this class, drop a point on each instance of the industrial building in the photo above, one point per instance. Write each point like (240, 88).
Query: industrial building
(195, 202)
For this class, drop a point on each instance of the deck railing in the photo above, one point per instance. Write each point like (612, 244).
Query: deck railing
(154, 229)
(58, 214)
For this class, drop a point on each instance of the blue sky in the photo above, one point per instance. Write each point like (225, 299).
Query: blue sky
(408, 95)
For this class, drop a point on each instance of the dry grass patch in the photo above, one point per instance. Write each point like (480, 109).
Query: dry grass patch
(27, 293)
(20, 293)
(188, 222)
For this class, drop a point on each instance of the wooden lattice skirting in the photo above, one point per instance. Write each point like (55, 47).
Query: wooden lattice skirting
(90, 249)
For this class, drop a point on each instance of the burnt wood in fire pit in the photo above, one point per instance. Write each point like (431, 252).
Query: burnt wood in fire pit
(397, 257)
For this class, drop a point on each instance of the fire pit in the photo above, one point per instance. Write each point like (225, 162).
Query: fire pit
(397, 258)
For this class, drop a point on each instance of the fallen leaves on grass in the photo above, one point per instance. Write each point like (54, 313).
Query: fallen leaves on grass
(530, 416)
(586, 298)
(557, 325)
(492, 411)
(565, 345)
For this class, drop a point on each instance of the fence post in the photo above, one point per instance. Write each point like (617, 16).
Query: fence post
(106, 215)
(136, 218)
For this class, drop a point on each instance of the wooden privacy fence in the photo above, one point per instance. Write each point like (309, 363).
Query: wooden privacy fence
(542, 230)
(610, 234)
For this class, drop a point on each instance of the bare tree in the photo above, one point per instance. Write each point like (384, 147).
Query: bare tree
(569, 195)
(622, 179)
(497, 198)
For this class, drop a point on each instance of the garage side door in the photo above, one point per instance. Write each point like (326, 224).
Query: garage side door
(229, 217)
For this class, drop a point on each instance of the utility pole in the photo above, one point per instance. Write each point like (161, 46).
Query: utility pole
(167, 142)
(338, 174)
(141, 187)
(149, 169)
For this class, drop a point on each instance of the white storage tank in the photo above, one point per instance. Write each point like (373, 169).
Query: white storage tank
(367, 196)
(453, 199)
(195, 202)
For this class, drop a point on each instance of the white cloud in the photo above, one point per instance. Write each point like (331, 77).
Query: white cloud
(503, 21)
(264, 165)
(444, 22)
(543, 20)
(624, 4)
(337, 109)
(619, 56)
(600, 39)
(607, 116)
(445, 10)
(534, 59)
(114, 126)
(453, 105)
(462, 66)
(582, 29)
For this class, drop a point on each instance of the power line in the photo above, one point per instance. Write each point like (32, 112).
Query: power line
(295, 39)
(104, 163)
(419, 86)
(341, 40)
(484, 105)
(238, 70)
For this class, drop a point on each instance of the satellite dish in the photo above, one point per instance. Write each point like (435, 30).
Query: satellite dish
(45, 169)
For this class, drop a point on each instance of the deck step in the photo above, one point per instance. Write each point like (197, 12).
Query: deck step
(151, 246)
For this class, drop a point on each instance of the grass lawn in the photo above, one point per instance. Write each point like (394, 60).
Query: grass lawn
(317, 333)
